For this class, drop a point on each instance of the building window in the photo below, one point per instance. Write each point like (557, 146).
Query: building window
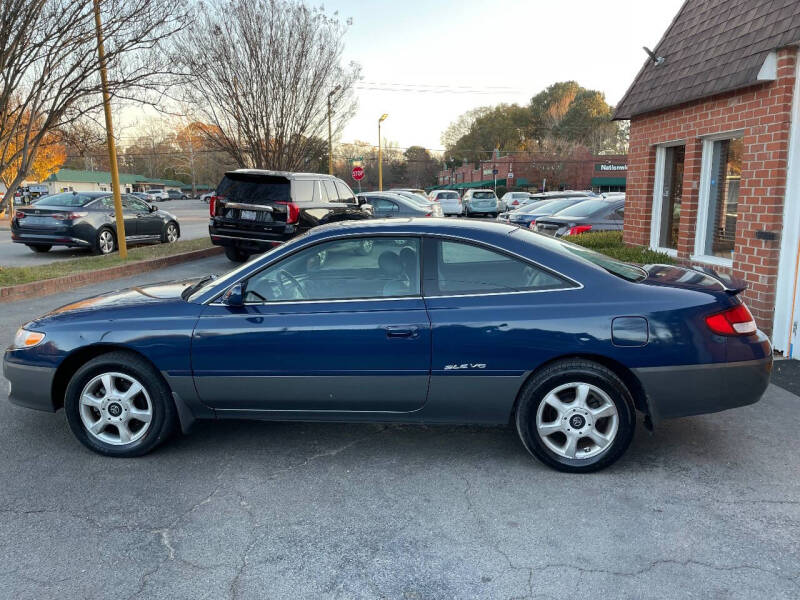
(719, 199)
(667, 195)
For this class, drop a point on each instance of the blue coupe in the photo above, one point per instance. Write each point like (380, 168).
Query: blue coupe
(437, 322)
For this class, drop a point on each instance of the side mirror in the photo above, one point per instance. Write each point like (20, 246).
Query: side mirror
(234, 296)
(152, 208)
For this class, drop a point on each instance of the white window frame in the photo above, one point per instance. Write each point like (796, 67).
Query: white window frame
(658, 197)
(701, 230)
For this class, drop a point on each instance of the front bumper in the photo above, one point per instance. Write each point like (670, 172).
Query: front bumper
(686, 390)
(31, 386)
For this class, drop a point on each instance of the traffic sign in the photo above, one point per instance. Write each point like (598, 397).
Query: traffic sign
(358, 173)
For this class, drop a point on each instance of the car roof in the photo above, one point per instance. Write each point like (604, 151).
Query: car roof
(88, 194)
(286, 174)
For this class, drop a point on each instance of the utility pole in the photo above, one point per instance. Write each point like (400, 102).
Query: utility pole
(112, 149)
(330, 130)
(380, 153)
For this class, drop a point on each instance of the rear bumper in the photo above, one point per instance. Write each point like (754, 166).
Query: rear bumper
(21, 237)
(686, 390)
(256, 243)
(31, 386)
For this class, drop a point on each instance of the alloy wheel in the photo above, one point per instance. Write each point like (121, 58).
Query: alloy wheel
(577, 420)
(115, 408)
(106, 241)
(172, 233)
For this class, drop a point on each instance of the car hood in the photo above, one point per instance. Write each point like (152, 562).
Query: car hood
(153, 293)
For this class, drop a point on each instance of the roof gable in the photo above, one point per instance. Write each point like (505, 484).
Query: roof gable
(711, 46)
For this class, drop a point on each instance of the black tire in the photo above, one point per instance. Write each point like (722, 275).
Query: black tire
(565, 372)
(102, 248)
(164, 419)
(235, 255)
(166, 236)
(40, 247)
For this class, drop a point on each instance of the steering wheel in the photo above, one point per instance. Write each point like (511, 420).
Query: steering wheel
(286, 276)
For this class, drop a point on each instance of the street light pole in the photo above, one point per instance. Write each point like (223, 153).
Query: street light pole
(112, 149)
(330, 131)
(380, 154)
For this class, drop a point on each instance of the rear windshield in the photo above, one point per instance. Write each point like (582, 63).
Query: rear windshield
(251, 188)
(587, 208)
(483, 195)
(447, 196)
(550, 208)
(621, 269)
(65, 199)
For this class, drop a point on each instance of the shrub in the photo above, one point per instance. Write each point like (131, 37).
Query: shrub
(610, 243)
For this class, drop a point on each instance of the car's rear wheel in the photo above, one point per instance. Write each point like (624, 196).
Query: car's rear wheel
(40, 247)
(106, 241)
(170, 234)
(118, 405)
(235, 255)
(576, 416)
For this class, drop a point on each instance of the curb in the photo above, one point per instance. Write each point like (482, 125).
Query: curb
(45, 287)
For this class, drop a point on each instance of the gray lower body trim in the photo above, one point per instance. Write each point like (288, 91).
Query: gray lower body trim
(31, 387)
(686, 390)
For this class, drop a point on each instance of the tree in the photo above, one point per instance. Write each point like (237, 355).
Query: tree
(269, 67)
(422, 168)
(461, 126)
(49, 158)
(49, 65)
(588, 122)
(503, 127)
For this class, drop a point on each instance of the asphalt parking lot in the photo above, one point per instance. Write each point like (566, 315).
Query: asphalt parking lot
(192, 216)
(707, 507)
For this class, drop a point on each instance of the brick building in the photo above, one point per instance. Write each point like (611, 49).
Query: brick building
(714, 158)
(580, 170)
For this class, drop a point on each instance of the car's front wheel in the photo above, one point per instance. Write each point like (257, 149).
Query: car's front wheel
(576, 416)
(118, 405)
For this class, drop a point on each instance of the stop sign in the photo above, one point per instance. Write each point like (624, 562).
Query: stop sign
(358, 173)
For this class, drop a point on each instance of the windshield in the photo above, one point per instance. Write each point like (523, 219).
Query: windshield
(65, 199)
(623, 270)
(483, 195)
(448, 196)
(587, 208)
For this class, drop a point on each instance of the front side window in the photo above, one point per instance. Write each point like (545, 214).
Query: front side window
(723, 198)
(348, 269)
(462, 268)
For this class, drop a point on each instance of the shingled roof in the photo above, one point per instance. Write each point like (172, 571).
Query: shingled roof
(711, 46)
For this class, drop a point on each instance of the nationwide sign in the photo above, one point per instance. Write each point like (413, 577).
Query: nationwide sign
(609, 167)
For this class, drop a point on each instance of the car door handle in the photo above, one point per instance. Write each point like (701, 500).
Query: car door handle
(402, 332)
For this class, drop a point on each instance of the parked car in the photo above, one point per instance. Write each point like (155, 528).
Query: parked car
(387, 205)
(416, 191)
(449, 200)
(207, 197)
(255, 210)
(590, 215)
(423, 201)
(481, 202)
(143, 196)
(523, 217)
(177, 195)
(588, 343)
(159, 195)
(514, 200)
(87, 220)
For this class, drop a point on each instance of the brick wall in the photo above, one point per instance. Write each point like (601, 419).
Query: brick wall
(762, 112)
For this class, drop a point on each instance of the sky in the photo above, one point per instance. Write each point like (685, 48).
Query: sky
(484, 52)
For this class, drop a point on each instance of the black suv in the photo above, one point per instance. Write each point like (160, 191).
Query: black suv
(255, 210)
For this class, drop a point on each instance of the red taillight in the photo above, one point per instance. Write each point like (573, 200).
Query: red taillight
(578, 229)
(212, 205)
(734, 321)
(58, 216)
(292, 212)
(20, 214)
(76, 215)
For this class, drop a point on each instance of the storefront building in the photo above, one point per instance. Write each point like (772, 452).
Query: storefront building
(714, 158)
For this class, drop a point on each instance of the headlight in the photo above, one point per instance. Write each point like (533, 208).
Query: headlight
(27, 339)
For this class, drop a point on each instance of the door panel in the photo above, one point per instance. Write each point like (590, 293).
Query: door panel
(361, 355)
(128, 214)
(148, 223)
